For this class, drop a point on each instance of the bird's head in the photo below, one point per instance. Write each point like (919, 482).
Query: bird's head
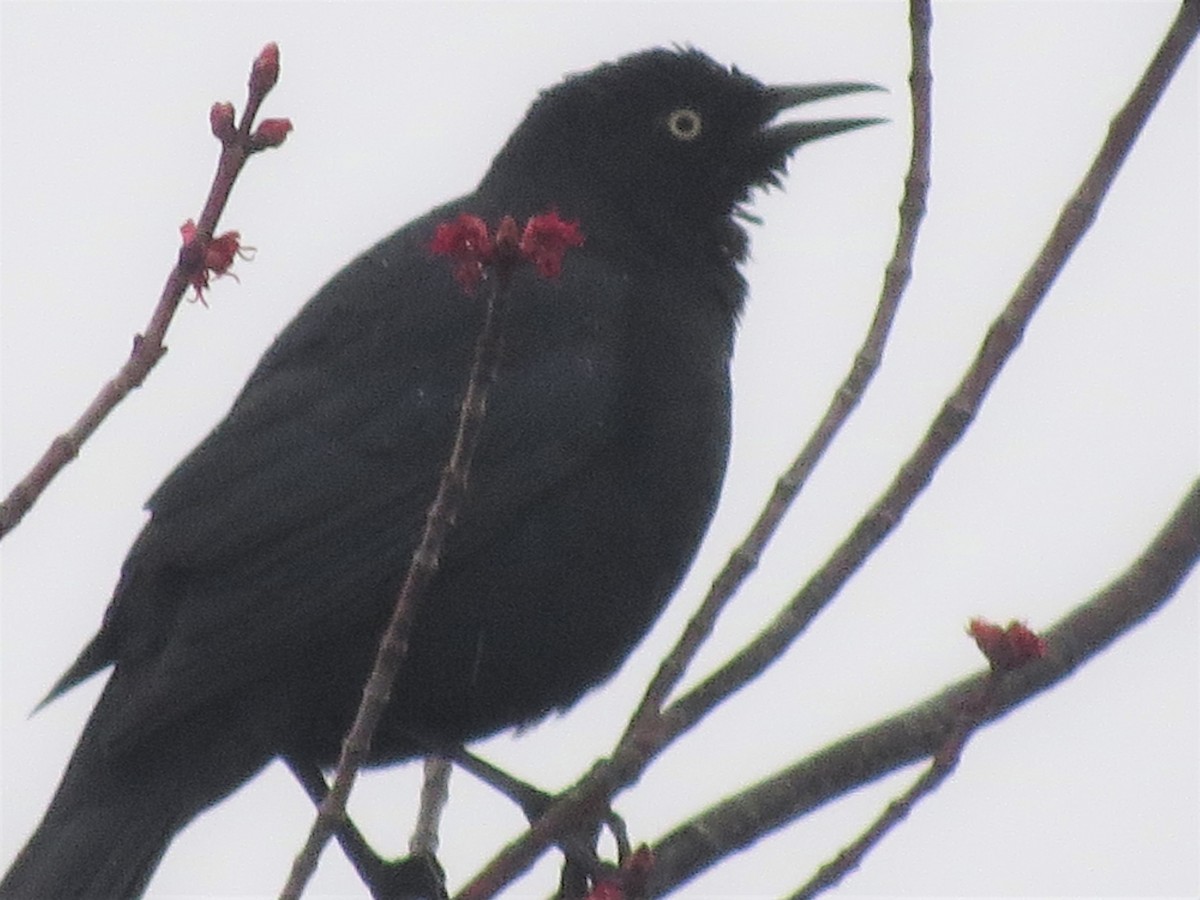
(667, 142)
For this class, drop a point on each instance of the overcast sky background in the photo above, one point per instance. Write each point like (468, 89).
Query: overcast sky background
(1083, 448)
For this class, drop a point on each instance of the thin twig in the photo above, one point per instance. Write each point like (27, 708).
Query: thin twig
(531, 800)
(586, 801)
(435, 791)
(945, 761)
(237, 146)
(393, 646)
(534, 803)
(365, 860)
(744, 559)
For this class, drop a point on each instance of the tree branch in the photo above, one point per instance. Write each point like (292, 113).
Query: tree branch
(237, 145)
(393, 646)
(961, 407)
(543, 243)
(744, 559)
(923, 729)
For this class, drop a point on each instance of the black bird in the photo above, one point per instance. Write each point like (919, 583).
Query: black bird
(249, 608)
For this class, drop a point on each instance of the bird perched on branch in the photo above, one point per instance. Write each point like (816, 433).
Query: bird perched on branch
(249, 609)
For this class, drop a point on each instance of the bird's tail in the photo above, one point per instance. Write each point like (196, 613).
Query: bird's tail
(91, 847)
(114, 814)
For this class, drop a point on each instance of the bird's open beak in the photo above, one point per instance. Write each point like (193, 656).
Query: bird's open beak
(790, 135)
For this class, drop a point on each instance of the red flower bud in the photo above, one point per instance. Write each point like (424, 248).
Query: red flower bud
(508, 240)
(189, 232)
(507, 247)
(1006, 648)
(221, 118)
(265, 71)
(270, 133)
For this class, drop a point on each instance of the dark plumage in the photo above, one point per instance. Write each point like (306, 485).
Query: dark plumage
(249, 608)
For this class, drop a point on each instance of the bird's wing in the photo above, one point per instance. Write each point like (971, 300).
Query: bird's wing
(308, 498)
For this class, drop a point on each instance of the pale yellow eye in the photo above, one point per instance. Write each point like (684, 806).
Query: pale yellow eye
(685, 124)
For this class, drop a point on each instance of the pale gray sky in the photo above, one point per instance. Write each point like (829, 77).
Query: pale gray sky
(1083, 448)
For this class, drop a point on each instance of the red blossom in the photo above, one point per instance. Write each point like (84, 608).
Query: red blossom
(265, 71)
(1006, 648)
(270, 133)
(215, 255)
(546, 239)
(467, 241)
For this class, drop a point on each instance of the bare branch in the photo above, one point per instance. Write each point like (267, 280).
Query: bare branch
(371, 869)
(960, 407)
(237, 145)
(920, 731)
(435, 792)
(744, 559)
(393, 647)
